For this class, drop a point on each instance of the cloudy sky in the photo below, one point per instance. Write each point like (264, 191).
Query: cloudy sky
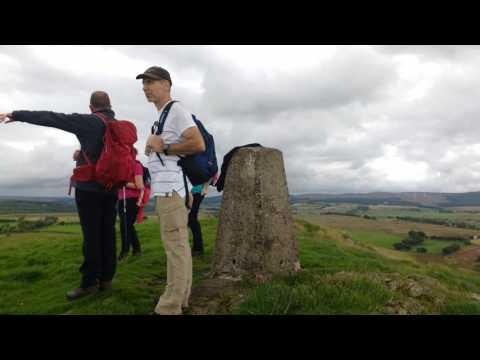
(347, 118)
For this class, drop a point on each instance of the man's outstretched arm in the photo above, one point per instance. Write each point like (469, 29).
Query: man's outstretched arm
(71, 123)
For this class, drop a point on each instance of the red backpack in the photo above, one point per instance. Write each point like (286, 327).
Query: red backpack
(115, 166)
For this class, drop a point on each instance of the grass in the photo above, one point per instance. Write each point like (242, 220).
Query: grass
(382, 212)
(307, 294)
(337, 276)
(436, 246)
(38, 268)
(420, 213)
(385, 240)
(377, 238)
(319, 289)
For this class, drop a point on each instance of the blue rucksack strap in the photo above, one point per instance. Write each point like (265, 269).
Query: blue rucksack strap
(158, 126)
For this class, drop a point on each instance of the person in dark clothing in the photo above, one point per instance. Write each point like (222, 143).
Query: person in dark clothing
(130, 198)
(198, 194)
(96, 206)
(127, 213)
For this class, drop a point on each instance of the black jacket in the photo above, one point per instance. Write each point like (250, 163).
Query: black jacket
(226, 163)
(88, 128)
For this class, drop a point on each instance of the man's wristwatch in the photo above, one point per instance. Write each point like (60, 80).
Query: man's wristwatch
(166, 149)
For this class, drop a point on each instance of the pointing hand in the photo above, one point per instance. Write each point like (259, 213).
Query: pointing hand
(6, 117)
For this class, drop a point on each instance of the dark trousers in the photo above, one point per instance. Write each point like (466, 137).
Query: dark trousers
(127, 228)
(97, 218)
(194, 224)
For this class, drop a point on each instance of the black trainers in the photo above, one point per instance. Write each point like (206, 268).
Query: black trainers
(122, 257)
(81, 292)
(105, 285)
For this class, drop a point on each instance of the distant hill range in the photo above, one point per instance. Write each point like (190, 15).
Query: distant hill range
(425, 199)
(17, 204)
(30, 204)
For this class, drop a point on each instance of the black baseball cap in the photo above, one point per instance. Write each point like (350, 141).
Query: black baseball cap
(155, 73)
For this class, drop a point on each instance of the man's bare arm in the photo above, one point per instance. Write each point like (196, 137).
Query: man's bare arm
(192, 143)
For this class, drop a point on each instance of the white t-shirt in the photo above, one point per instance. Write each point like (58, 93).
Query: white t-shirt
(169, 178)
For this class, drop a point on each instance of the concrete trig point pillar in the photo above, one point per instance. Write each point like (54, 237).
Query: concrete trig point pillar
(255, 234)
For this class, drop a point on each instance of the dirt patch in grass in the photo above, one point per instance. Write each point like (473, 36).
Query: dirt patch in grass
(467, 257)
(414, 294)
(215, 296)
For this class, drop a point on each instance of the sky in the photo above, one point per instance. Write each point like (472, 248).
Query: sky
(347, 118)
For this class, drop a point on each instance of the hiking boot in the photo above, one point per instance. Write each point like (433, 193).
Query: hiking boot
(105, 285)
(81, 292)
(136, 253)
(122, 257)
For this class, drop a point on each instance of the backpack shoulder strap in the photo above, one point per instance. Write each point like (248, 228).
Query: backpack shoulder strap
(157, 127)
(104, 120)
(87, 159)
(199, 124)
(101, 117)
(163, 117)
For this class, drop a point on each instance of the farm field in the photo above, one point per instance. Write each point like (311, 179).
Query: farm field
(384, 230)
(348, 267)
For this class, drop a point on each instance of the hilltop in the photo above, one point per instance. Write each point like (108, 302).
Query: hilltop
(425, 199)
(339, 275)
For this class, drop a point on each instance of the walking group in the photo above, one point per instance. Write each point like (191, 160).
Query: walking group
(108, 179)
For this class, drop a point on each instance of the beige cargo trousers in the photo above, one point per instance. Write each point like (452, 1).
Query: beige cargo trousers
(173, 218)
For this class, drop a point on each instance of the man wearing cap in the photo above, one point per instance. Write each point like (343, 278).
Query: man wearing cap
(96, 205)
(180, 136)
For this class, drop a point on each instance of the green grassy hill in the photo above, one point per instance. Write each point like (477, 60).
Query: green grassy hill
(339, 275)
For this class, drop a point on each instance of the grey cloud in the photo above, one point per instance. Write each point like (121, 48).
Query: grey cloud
(47, 168)
(178, 56)
(35, 77)
(355, 76)
(439, 52)
(317, 118)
